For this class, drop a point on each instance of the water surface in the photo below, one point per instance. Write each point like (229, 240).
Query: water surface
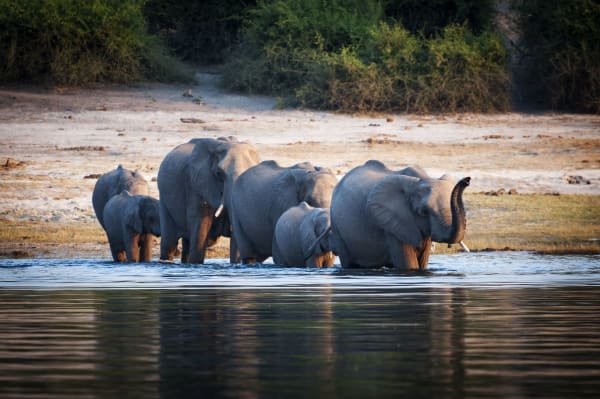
(497, 325)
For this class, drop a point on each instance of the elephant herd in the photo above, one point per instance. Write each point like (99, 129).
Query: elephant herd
(300, 215)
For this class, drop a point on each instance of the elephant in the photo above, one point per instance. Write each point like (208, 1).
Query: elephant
(303, 237)
(113, 183)
(130, 222)
(263, 193)
(381, 217)
(194, 182)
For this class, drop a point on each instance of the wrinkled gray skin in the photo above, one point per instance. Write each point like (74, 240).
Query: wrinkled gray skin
(303, 237)
(131, 221)
(263, 193)
(194, 179)
(113, 183)
(384, 218)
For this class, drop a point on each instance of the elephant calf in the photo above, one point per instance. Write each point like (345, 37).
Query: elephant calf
(303, 237)
(130, 221)
(113, 183)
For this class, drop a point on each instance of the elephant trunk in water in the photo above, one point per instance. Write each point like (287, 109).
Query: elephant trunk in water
(317, 241)
(459, 218)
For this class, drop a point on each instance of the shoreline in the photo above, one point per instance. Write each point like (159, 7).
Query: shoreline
(54, 143)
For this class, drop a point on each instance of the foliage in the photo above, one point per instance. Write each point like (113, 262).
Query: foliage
(341, 55)
(563, 41)
(73, 42)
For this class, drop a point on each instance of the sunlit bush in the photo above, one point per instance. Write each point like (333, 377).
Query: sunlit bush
(345, 57)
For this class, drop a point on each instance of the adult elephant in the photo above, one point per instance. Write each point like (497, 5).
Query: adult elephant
(195, 181)
(114, 182)
(131, 222)
(384, 218)
(263, 193)
(303, 237)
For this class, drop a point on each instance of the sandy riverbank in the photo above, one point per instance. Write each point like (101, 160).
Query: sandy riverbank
(58, 137)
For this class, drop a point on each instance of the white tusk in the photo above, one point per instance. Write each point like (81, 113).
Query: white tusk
(219, 211)
(464, 246)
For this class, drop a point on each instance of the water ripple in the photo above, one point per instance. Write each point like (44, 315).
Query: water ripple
(482, 270)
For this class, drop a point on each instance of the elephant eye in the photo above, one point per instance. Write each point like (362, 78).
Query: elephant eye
(220, 174)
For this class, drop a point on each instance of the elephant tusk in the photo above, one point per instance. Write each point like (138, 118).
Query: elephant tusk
(464, 246)
(219, 210)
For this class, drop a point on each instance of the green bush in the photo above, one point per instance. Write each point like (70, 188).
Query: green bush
(562, 40)
(75, 42)
(339, 55)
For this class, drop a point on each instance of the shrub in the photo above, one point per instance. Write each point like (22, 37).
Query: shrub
(73, 42)
(563, 42)
(283, 39)
(338, 56)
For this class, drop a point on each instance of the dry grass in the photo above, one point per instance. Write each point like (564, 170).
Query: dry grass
(544, 223)
(536, 222)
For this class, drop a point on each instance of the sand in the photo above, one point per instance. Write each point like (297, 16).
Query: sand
(57, 137)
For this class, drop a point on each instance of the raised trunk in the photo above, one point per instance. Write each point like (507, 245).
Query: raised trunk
(459, 218)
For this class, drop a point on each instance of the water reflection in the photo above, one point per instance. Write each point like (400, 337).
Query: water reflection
(454, 342)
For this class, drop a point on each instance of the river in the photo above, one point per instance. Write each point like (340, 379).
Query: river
(480, 325)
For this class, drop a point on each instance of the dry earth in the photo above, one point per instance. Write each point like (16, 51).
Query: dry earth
(56, 138)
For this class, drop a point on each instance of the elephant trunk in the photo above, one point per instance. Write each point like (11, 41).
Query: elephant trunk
(459, 217)
(317, 241)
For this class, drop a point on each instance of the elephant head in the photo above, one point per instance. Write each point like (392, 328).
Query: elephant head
(144, 217)
(417, 209)
(311, 184)
(215, 164)
(315, 231)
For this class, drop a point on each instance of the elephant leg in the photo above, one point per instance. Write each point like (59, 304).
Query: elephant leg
(234, 253)
(133, 248)
(278, 258)
(168, 235)
(198, 238)
(327, 259)
(313, 261)
(118, 255)
(146, 244)
(402, 256)
(424, 253)
(185, 250)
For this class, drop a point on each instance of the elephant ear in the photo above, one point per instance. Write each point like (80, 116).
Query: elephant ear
(133, 217)
(285, 192)
(307, 229)
(202, 165)
(388, 204)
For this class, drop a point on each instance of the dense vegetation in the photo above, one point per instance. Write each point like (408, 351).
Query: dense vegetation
(348, 55)
(353, 55)
(76, 42)
(562, 43)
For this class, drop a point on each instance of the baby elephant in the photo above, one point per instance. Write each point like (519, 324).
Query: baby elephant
(130, 221)
(303, 237)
